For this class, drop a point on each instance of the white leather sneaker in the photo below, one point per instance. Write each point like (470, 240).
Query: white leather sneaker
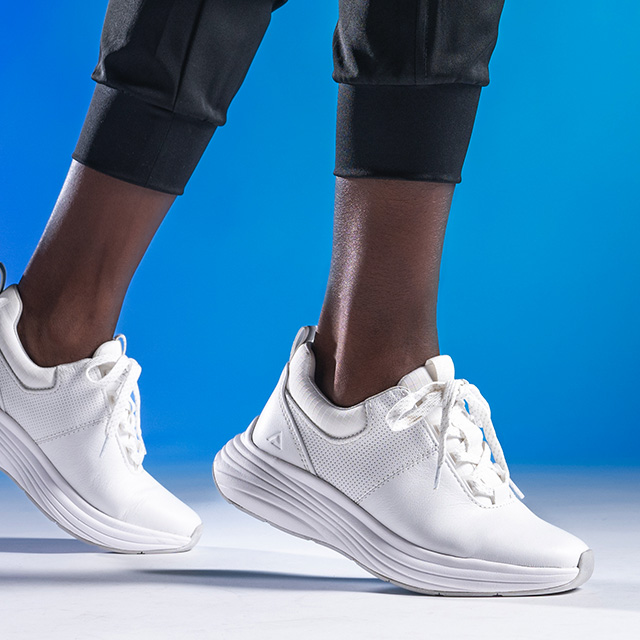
(403, 483)
(70, 437)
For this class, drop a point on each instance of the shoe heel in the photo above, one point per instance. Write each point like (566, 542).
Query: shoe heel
(249, 483)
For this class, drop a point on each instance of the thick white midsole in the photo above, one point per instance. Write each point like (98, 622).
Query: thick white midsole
(303, 504)
(27, 465)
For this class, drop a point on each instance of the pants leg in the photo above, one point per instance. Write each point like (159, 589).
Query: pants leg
(410, 74)
(167, 72)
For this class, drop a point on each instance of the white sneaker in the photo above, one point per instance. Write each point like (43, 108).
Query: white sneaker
(70, 437)
(402, 483)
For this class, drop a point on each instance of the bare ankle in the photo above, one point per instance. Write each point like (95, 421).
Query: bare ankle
(61, 334)
(49, 347)
(359, 375)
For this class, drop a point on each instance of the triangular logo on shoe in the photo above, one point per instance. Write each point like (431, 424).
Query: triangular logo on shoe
(276, 440)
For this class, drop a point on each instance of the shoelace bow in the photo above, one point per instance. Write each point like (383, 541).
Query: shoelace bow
(121, 386)
(476, 415)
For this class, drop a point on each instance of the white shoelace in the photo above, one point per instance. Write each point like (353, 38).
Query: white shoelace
(121, 386)
(462, 400)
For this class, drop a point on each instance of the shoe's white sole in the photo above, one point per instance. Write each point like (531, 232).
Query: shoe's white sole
(304, 505)
(25, 463)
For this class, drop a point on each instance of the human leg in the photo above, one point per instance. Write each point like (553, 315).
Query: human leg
(74, 286)
(166, 75)
(378, 320)
(410, 79)
(408, 478)
(70, 431)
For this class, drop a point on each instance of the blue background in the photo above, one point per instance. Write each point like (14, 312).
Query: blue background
(539, 299)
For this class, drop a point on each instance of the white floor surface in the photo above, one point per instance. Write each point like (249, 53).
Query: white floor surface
(249, 580)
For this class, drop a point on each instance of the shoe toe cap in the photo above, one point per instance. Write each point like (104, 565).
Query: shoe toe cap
(517, 536)
(158, 509)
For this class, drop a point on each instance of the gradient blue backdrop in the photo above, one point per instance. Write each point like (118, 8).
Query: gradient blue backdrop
(539, 301)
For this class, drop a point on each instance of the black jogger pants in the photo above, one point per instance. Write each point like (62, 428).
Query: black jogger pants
(410, 74)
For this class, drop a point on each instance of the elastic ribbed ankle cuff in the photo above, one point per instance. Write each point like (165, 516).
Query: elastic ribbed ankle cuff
(403, 131)
(140, 143)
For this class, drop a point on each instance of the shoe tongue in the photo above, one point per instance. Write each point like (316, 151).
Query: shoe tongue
(110, 350)
(438, 369)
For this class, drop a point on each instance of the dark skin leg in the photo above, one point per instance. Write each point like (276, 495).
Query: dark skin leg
(75, 283)
(378, 320)
(379, 317)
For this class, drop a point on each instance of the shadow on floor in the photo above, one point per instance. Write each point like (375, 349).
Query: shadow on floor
(44, 545)
(613, 596)
(243, 579)
(207, 578)
(603, 595)
(115, 569)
